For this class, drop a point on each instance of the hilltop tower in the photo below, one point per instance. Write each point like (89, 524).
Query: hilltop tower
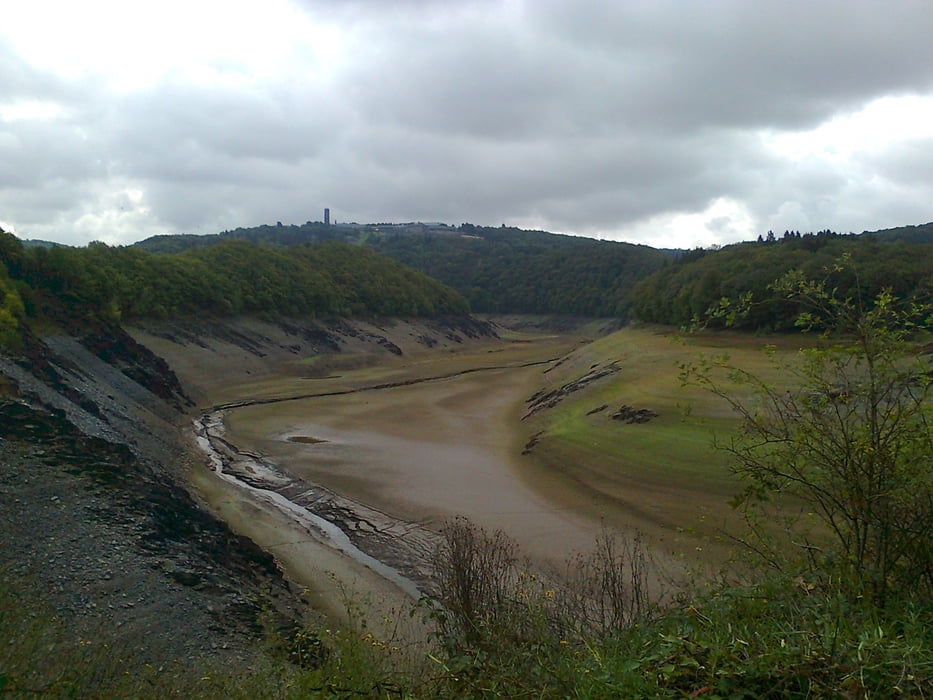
(326, 216)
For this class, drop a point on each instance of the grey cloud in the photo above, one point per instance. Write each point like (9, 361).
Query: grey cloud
(20, 80)
(33, 154)
(587, 116)
(908, 164)
(48, 211)
(787, 64)
(167, 123)
(606, 66)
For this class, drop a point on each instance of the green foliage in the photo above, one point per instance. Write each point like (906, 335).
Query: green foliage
(509, 270)
(266, 235)
(914, 234)
(234, 277)
(12, 309)
(685, 291)
(850, 436)
(504, 270)
(514, 271)
(783, 638)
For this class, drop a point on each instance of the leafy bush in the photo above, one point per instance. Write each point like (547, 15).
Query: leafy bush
(850, 436)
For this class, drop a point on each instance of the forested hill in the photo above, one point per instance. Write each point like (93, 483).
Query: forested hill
(502, 269)
(913, 234)
(508, 270)
(233, 277)
(699, 279)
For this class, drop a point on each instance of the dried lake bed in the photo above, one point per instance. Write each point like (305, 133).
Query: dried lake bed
(388, 447)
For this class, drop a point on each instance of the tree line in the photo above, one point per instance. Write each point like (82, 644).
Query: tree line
(498, 270)
(702, 280)
(507, 270)
(232, 277)
(318, 269)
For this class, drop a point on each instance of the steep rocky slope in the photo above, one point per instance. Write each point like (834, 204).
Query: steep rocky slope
(95, 516)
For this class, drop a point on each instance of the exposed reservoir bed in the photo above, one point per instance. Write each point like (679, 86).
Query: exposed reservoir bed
(423, 453)
(389, 448)
(387, 453)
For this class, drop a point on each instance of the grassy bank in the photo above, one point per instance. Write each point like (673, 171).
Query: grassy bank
(662, 477)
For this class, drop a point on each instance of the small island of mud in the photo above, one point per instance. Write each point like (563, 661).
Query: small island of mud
(306, 439)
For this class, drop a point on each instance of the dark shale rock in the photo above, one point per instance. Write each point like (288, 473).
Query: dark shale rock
(628, 414)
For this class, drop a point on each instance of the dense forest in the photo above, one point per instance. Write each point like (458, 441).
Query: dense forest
(269, 235)
(912, 234)
(514, 271)
(499, 270)
(351, 270)
(232, 277)
(509, 270)
(700, 279)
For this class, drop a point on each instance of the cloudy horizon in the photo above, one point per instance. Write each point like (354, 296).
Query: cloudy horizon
(669, 123)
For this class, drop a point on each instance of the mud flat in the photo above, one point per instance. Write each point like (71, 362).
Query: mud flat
(423, 453)
(335, 584)
(386, 447)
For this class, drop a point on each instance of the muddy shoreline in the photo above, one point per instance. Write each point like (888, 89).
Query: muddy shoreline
(418, 454)
(164, 543)
(391, 549)
(398, 550)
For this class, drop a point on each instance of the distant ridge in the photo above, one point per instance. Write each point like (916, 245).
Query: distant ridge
(912, 234)
(497, 269)
(37, 243)
(34, 242)
(510, 270)
(896, 260)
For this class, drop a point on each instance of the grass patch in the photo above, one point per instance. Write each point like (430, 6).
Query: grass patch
(504, 635)
(662, 476)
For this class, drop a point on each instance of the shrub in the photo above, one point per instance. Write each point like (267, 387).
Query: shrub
(850, 436)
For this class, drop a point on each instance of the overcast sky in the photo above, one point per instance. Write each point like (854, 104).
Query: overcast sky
(675, 124)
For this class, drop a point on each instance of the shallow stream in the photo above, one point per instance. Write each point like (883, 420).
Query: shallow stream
(262, 480)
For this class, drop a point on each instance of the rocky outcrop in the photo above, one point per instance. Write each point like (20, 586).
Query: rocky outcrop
(631, 415)
(548, 399)
(115, 347)
(94, 516)
(94, 510)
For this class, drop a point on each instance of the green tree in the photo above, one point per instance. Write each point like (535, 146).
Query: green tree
(11, 304)
(11, 311)
(850, 435)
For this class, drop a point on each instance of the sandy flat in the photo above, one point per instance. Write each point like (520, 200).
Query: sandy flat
(334, 584)
(422, 453)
